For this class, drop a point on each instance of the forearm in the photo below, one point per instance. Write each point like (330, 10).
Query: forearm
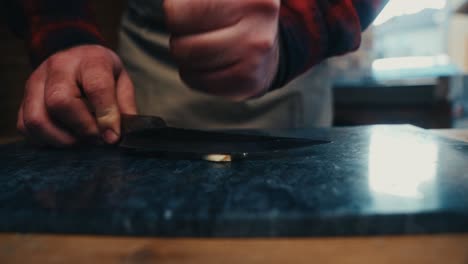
(49, 26)
(311, 31)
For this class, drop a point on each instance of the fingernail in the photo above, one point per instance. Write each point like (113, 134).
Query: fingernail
(110, 136)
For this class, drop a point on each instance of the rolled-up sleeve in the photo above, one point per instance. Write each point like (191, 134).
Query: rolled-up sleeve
(313, 30)
(49, 26)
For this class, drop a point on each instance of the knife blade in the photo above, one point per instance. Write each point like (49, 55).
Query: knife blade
(151, 133)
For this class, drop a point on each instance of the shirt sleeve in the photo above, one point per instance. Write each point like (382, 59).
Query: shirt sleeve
(49, 26)
(313, 30)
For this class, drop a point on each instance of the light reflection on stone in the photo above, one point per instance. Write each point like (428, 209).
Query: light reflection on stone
(402, 167)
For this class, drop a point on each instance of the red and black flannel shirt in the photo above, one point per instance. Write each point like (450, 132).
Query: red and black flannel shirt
(310, 30)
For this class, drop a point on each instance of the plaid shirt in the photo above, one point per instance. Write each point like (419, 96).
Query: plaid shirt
(310, 30)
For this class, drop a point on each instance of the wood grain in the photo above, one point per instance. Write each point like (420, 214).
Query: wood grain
(451, 249)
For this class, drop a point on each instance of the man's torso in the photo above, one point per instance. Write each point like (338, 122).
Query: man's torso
(305, 102)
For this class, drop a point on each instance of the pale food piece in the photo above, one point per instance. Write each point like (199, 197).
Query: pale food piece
(218, 158)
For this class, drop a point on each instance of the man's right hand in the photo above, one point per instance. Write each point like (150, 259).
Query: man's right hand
(75, 95)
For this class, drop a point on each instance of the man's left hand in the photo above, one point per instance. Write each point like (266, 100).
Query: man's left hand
(227, 48)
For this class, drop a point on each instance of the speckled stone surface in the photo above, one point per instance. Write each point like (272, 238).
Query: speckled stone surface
(369, 181)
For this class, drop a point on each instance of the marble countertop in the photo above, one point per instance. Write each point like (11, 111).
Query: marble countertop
(369, 180)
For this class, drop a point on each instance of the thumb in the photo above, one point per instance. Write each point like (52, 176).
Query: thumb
(185, 17)
(98, 84)
(126, 94)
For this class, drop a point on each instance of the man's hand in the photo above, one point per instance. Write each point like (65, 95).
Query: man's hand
(76, 94)
(227, 48)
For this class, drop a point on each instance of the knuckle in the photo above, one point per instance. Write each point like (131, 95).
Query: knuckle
(97, 84)
(96, 59)
(57, 100)
(97, 74)
(34, 123)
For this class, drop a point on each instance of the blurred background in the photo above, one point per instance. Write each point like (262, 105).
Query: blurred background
(411, 67)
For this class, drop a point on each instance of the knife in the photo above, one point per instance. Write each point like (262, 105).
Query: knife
(152, 134)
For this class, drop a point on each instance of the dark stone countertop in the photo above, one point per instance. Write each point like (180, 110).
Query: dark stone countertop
(370, 180)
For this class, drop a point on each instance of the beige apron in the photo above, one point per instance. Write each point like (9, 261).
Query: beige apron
(305, 102)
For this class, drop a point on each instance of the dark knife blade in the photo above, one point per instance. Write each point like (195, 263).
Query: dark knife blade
(152, 134)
